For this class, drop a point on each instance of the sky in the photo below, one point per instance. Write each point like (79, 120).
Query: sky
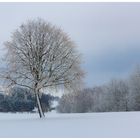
(106, 34)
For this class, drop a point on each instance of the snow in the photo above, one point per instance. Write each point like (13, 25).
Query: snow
(23, 125)
(54, 104)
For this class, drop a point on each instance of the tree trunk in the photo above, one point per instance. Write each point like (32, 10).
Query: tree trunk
(40, 110)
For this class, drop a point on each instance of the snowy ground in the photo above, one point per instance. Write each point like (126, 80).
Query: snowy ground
(70, 125)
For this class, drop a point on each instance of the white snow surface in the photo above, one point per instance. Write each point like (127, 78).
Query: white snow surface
(78, 125)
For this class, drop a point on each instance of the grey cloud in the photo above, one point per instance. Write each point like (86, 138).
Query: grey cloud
(107, 34)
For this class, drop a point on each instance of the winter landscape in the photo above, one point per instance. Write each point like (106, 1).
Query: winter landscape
(70, 70)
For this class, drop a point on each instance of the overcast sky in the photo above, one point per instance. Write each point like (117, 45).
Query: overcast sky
(107, 34)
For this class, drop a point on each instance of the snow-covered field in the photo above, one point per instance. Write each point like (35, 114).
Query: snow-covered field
(70, 125)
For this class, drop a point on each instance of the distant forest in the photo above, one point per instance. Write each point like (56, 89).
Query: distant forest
(23, 100)
(117, 95)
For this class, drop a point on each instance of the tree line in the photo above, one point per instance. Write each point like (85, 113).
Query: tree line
(23, 100)
(116, 95)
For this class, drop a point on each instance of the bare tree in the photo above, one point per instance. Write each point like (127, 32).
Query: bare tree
(119, 92)
(40, 56)
(78, 102)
